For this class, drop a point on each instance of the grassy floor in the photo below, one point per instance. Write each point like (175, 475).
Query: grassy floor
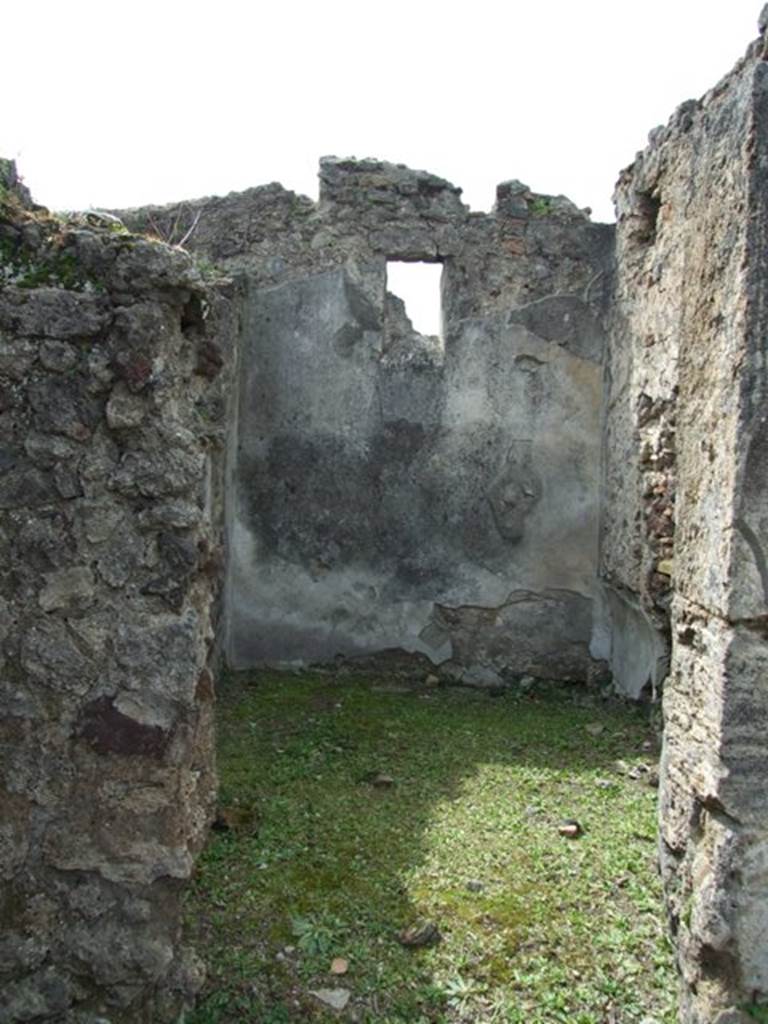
(325, 858)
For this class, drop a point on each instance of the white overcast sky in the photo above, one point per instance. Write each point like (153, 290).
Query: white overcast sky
(115, 103)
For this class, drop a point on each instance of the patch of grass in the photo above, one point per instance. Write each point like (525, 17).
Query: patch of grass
(541, 206)
(536, 928)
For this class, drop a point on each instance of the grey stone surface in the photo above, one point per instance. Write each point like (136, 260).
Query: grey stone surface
(685, 529)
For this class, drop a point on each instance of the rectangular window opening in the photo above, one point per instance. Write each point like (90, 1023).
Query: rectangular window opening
(418, 286)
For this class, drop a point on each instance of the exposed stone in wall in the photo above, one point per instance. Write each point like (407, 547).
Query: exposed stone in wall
(398, 491)
(112, 418)
(686, 430)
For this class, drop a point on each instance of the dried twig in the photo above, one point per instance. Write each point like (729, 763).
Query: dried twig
(168, 235)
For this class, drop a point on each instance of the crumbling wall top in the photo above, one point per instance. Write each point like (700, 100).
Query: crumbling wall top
(529, 246)
(11, 184)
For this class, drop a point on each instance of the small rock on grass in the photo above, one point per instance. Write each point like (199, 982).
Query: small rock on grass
(339, 965)
(475, 885)
(382, 781)
(570, 828)
(483, 677)
(336, 998)
(236, 819)
(595, 728)
(423, 933)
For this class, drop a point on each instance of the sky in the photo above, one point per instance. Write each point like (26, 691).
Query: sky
(116, 104)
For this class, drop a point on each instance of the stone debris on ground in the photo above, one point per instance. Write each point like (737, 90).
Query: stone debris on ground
(382, 781)
(335, 998)
(422, 933)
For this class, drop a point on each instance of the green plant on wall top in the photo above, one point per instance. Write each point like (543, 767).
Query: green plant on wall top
(52, 267)
(541, 206)
(33, 248)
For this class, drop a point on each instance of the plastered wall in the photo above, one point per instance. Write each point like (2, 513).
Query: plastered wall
(433, 495)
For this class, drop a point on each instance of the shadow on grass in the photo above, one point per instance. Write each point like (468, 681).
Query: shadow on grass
(355, 807)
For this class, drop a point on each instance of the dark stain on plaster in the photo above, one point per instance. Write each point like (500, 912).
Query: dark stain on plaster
(565, 320)
(108, 731)
(515, 492)
(362, 309)
(304, 514)
(347, 338)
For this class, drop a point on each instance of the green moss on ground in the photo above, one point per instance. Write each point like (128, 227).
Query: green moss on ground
(319, 862)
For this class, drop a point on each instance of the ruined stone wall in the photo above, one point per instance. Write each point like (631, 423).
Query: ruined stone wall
(113, 355)
(639, 484)
(397, 491)
(687, 431)
(382, 489)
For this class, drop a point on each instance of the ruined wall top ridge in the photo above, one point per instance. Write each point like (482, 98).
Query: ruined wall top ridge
(11, 184)
(372, 210)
